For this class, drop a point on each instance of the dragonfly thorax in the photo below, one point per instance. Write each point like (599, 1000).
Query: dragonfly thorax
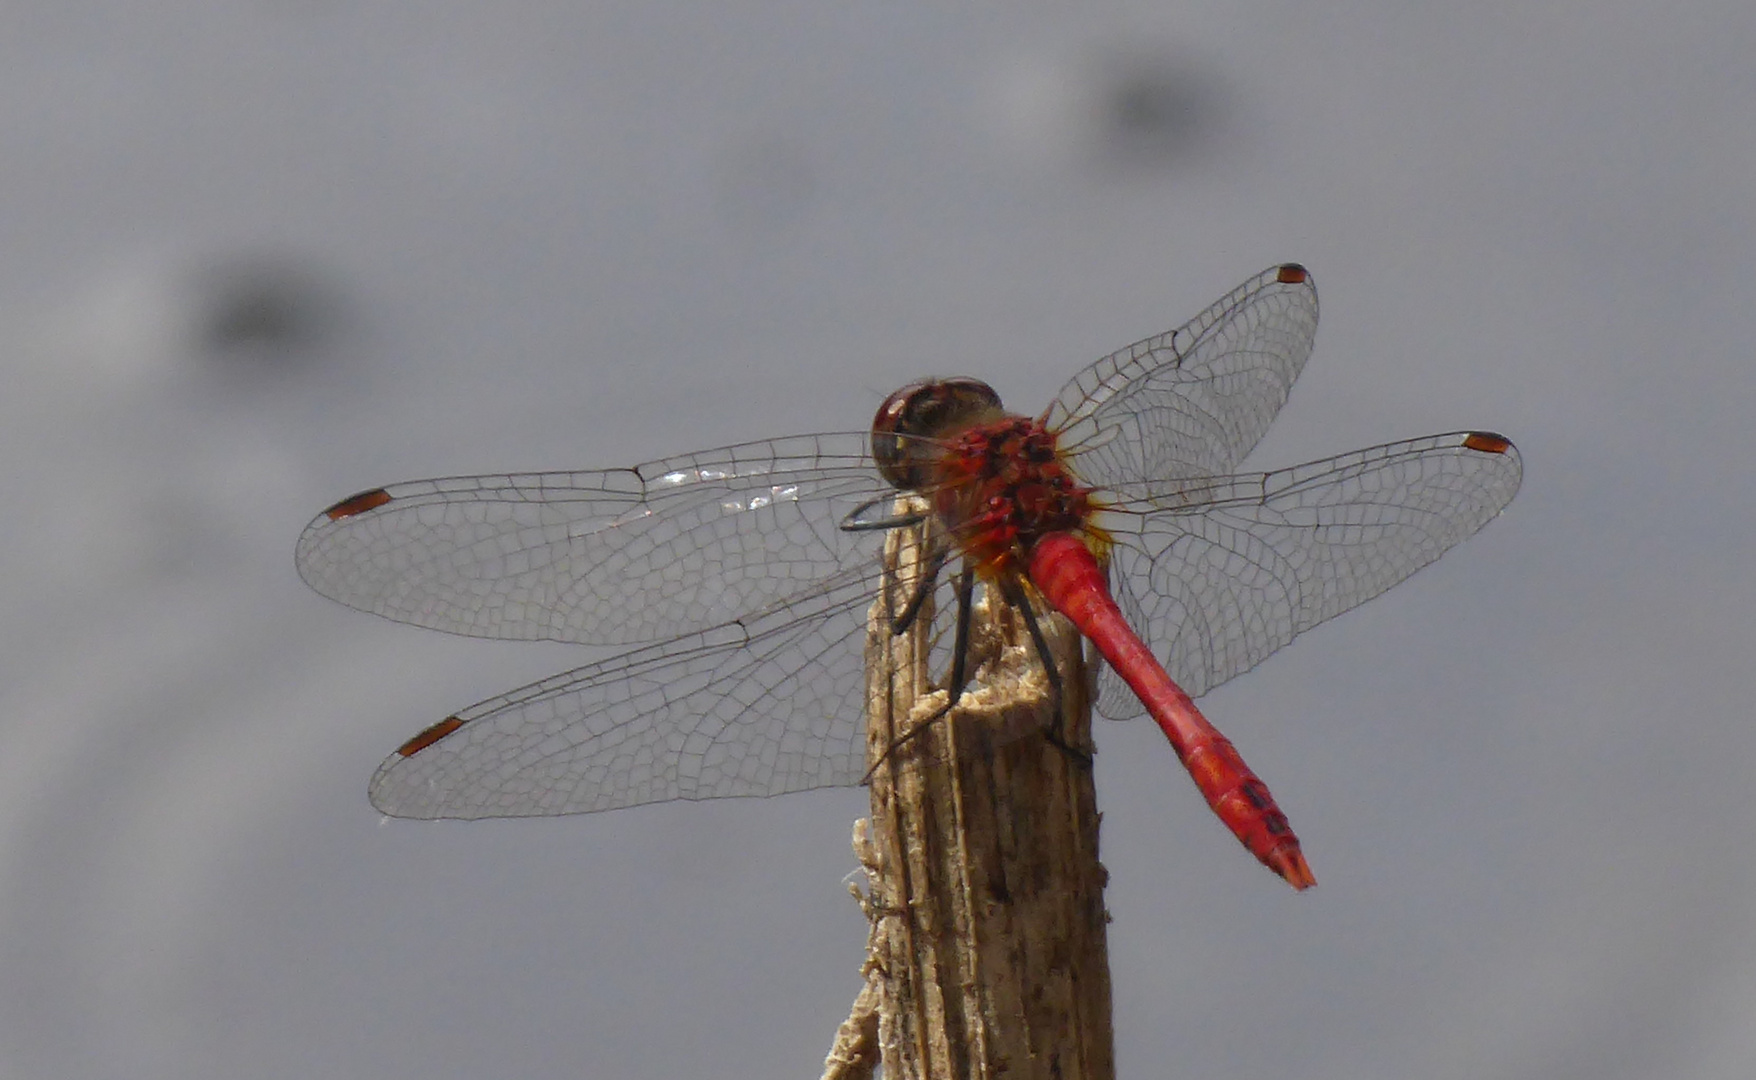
(995, 479)
(1001, 486)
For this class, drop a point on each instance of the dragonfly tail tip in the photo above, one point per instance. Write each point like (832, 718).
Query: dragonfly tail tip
(1289, 863)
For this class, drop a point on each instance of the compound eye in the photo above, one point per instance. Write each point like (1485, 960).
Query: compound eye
(894, 446)
(906, 425)
(967, 397)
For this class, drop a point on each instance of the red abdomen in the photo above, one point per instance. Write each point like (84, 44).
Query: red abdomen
(1071, 579)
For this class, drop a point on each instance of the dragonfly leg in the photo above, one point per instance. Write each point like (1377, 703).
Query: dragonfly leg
(856, 521)
(966, 588)
(923, 588)
(966, 583)
(1051, 670)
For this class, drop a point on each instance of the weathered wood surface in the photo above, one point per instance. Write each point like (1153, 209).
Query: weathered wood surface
(987, 955)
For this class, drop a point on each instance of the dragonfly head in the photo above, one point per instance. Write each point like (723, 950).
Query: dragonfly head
(911, 422)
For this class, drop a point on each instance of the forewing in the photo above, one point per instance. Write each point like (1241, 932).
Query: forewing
(1224, 571)
(770, 704)
(1191, 401)
(609, 557)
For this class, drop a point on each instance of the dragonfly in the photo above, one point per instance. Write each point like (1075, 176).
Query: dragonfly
(736, 581)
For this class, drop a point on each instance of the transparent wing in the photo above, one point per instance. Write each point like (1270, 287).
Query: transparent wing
(1220, 572)
(760, 706)
(1191, 401)
(609, 557)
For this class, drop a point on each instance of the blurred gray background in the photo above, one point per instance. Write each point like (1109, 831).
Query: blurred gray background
(262, 255)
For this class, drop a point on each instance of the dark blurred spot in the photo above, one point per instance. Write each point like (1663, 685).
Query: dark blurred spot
(266, 309)
(1154, 111)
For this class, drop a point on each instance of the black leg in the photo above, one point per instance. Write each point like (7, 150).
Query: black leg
(1015, 596)
(966, 587)
(923, 588)
(966, 583)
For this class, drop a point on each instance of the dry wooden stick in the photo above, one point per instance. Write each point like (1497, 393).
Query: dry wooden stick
(987, 955)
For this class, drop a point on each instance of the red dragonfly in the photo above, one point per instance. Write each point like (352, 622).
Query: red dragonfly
(742, 575)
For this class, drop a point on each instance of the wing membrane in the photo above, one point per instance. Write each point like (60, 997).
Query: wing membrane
(1223, 571)
(1195, 400)
(766, 705)
(617, 556)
